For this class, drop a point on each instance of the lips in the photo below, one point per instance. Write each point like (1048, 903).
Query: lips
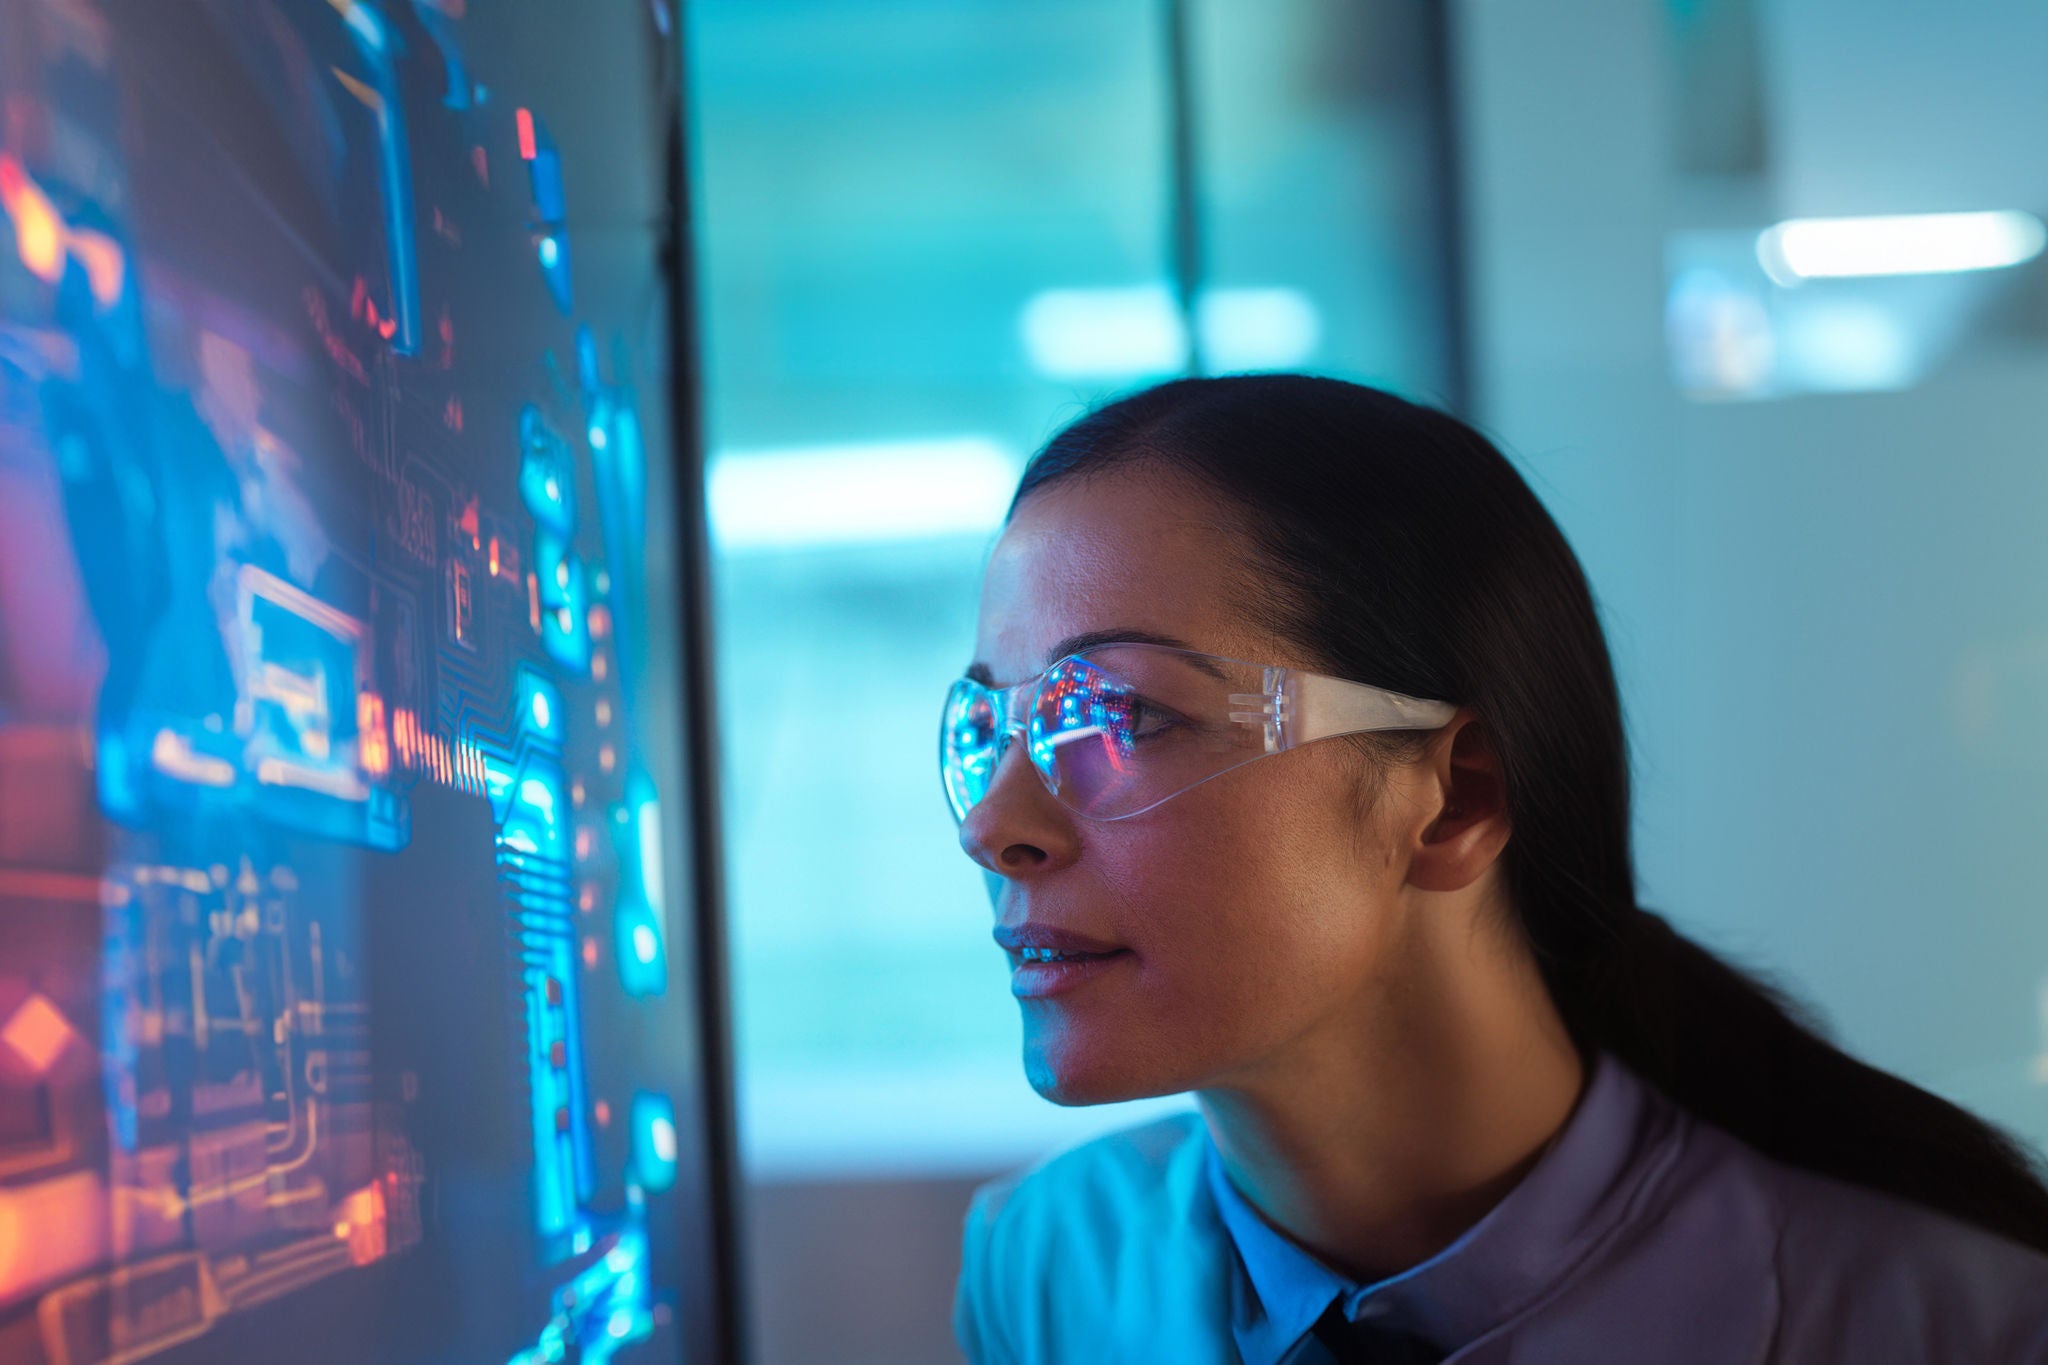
(1045, 960)
(1040, 937)
(1031, 980)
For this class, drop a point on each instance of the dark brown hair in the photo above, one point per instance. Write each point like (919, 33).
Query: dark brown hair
(1400, 547)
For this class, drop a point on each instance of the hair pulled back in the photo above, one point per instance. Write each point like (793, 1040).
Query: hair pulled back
(1401, 548)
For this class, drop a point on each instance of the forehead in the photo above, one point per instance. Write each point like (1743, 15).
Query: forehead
(1132, 549)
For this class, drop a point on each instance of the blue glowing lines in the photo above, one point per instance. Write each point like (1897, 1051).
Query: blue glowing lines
(547, 484)
(654, 1140)
(549, 840)
(534, 824)
(637, 916)
(561, 1138)
(604, 1307)
(382, 97)
(538, 707)
(550, 206)
(547, 478)
(534, 862)
(619, 466)
(564, 601)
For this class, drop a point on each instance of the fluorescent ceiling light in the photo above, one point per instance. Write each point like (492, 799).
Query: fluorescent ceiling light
(793, 497)
(1257, 329)
(1133, 332)
(1099, 333)
(1900, 244)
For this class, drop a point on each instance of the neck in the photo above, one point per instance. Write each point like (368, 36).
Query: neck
(1381, 1136)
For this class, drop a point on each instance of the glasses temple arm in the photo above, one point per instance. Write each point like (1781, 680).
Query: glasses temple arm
(1317, 707)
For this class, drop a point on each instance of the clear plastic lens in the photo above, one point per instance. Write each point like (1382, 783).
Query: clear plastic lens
(1111, 733)
(1116, 729)
(1082, 734)
(970, 744)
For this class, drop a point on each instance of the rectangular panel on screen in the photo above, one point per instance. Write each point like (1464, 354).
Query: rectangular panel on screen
(348, 1003)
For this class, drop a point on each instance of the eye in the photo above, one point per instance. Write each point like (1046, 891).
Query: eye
(1144, 720)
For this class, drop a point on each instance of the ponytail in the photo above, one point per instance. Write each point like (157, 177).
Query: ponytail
(1736, 1049)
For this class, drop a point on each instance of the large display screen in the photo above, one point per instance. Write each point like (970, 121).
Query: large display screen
(348, 1001)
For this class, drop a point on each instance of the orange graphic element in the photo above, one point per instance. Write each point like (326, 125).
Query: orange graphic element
(360, 1221)
(38, 1033)
(38, 229)
(527, 149)
(405, 736)
(51, 1230)
(44, 241)
(373, 743)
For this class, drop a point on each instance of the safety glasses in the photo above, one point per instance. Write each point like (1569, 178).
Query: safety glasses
(1116, 729)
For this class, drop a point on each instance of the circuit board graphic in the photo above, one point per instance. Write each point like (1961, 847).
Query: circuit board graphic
(338, 675)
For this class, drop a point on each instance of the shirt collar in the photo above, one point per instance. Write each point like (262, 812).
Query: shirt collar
(1527, 1242)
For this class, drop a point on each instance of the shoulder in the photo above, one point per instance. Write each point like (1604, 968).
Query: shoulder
(1867, 1269)
(1055, 1259)
(1137, 1170)
(1862, 1275)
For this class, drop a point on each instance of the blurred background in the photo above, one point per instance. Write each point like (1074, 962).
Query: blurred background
(1752, 291)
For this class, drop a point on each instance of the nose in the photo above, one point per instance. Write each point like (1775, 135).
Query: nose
(1018, 828)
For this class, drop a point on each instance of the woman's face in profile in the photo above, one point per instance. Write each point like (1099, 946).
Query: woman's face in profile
(1257, 910)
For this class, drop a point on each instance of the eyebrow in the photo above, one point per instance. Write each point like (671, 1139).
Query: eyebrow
(1089, 639)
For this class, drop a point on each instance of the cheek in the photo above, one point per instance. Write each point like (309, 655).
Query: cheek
(1246, 914)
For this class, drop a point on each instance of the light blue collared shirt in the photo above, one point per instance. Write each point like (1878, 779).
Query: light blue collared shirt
(1461, 1290)
(1642, 1234)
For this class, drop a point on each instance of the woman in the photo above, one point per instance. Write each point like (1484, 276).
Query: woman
(1460, 1098)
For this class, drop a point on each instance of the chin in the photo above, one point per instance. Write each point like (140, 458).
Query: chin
(1073, 1071)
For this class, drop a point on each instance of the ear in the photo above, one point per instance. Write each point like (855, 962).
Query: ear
(1456, 846)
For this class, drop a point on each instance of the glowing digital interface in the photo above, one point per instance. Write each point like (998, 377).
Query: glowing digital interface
(342, 1014)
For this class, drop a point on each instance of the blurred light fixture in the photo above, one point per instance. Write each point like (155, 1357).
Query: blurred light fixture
(795, 497)
(1129, 333)
(1097, 333)
(1256, 329)
(1847, 346)
(1899, 244)
(1718, 334)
